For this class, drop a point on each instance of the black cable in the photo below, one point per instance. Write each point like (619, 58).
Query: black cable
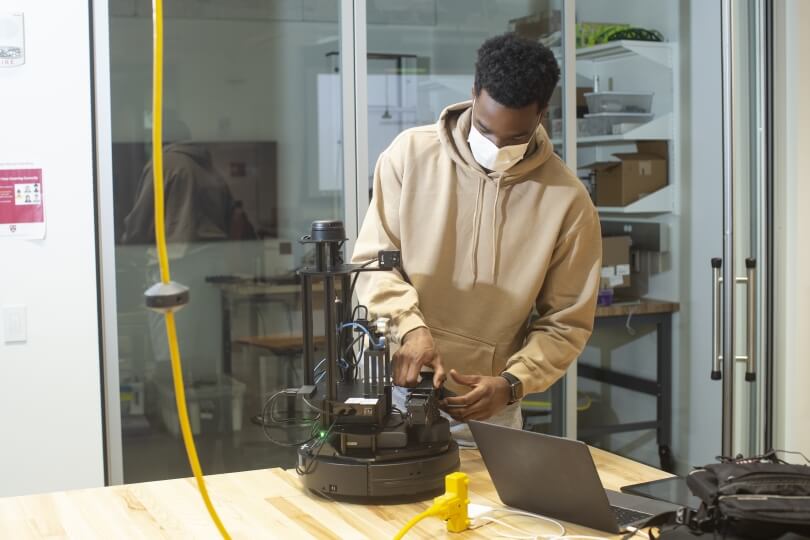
(357, 275)
(795, 453)
(354, 312)
(350, 349)
(313, 458)
(313, 407)
(297, 444)
(287, 393)
(402, 417)
(269, 406)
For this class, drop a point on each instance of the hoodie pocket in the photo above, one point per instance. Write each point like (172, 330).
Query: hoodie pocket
(467, 355)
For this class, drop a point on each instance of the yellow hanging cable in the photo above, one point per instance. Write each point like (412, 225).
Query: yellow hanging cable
(163, 259)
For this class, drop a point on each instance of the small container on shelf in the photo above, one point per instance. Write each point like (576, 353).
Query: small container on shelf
(605, 297)
(602, 123)
(619, 102)
(624, 127)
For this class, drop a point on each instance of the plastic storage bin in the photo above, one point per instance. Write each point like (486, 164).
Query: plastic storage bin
(214, 406)
(602, 123)
(619, 102)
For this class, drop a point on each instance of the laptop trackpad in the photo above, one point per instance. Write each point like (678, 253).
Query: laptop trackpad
(639, 504)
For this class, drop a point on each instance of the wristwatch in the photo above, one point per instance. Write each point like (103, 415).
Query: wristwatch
(515, 387)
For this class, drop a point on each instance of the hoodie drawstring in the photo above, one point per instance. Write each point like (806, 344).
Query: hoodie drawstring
(476, 225)
(477, 213)
(495, 228)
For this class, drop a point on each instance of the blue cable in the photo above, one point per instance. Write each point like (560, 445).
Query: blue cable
(342, 361)
(362, 329)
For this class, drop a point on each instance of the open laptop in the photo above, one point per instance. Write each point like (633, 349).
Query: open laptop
(557, 478)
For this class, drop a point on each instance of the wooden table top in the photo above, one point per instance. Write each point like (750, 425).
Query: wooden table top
(267, 503)
(645, 306)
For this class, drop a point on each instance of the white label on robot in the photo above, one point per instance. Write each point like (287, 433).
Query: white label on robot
(361, 401)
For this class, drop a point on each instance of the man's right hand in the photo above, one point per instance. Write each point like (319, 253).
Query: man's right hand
(417, 350)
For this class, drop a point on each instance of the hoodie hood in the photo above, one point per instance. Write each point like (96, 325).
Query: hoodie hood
(454, 128)
(198, 152)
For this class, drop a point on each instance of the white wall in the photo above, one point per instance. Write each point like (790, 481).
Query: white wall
(792, 131)
(50, 396)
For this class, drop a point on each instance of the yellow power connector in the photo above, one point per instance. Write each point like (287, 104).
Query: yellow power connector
(450, 507)
(453, 504)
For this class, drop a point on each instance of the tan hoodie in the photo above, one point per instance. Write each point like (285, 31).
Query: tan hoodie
(481, 251)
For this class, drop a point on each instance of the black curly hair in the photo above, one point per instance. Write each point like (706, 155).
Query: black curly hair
(516, 72)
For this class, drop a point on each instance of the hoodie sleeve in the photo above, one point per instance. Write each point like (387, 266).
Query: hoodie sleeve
(386, 294)
(566, 306)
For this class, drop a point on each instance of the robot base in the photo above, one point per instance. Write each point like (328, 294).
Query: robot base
(357, 480)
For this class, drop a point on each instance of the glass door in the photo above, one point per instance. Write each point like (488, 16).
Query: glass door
(631, 133)
(744, 363)
(672, 140)
(254, 126)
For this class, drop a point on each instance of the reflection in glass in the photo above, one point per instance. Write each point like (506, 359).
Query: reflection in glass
(242, 183)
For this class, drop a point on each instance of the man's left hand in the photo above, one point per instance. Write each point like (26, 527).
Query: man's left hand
(489, 395)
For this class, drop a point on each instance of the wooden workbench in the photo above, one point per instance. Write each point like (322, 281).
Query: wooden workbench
(645, 306)
(262, 504)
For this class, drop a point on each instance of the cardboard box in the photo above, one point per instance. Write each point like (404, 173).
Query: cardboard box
(539, 25)
(619, 183)
(615, 262)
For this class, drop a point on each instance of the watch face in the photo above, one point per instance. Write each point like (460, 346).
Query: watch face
(515, 387)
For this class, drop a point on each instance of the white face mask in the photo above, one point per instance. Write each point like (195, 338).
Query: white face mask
(489, 156)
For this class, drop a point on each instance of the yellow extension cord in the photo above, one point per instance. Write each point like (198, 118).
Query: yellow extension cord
(452, 507)
(414, 520)
(163, 258)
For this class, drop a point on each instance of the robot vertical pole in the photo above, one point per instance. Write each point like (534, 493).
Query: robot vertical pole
(380, 374)
(387, 368)
(366, 372)
(330, 322)
(374, 373)
(306, 311)
(346, 303)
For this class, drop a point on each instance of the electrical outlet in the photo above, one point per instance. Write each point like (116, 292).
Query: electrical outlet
(15, 324)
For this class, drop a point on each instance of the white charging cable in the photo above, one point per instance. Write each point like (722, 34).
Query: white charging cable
(479, 516)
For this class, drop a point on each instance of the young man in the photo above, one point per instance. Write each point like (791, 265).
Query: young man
(492, 226)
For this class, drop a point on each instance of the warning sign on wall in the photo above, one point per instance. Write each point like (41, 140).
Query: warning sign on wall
(22, 203)
(12, 40)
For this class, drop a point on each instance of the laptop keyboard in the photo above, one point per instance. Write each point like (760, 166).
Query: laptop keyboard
(625, 516)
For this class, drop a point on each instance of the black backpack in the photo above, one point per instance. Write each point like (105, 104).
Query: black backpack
(743, 498)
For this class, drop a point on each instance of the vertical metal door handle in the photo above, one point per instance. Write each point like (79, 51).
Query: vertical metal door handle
(717, 264)
(751, 364)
